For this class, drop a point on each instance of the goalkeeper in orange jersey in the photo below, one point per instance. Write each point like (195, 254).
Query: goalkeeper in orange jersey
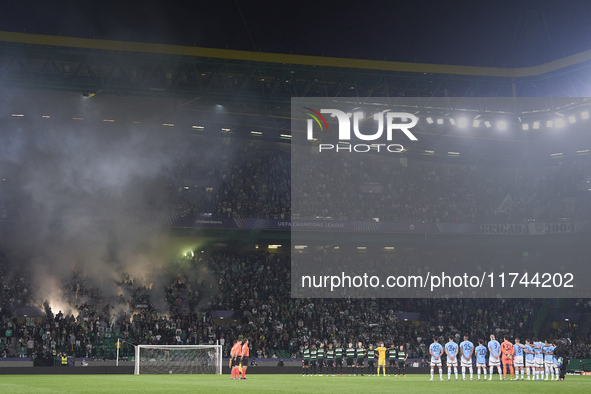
(508, 351)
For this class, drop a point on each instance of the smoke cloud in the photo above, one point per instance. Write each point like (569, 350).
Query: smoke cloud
(87, 181)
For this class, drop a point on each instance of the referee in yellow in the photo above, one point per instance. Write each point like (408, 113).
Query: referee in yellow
(381, 358)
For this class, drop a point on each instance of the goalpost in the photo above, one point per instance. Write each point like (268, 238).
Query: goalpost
(178, 359)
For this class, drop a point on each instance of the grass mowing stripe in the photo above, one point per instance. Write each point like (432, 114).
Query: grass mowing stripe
(144, 384)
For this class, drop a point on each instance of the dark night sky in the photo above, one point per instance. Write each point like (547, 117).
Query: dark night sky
(474, 32)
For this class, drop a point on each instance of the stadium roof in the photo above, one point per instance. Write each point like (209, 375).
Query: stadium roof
(320, 61)
(90, 65)
(256, 88)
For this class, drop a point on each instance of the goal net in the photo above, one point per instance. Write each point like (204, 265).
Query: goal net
(178, 359)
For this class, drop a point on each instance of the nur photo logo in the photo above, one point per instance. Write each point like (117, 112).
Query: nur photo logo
(349, 130)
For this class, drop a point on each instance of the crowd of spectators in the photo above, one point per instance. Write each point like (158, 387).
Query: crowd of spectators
(240, 181)
(342, 186)
(257, 181)
(581, 347)
(255, 286)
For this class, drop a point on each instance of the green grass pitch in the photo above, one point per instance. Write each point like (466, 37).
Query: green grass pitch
(143, 384)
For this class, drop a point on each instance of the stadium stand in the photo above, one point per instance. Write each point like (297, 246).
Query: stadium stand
(253, 285)
(255, 183)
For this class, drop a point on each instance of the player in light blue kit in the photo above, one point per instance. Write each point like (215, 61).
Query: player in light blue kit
(451, 349)
(494, 347)
(548, 359)
(538, 359)
(530, 363)
(480, 358)
(556, 367)
(467, 348)
(518, 359)
(436, 350)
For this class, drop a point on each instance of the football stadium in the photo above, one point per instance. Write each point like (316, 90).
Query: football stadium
(178, 218)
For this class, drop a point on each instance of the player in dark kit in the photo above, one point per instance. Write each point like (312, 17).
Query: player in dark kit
(313, 359)
(350, 359)
(306, 359)
(371, 355)
(330, 353)
(360, 353)
(402, 356)
(392, 358)
(320, 358)
(338, 358)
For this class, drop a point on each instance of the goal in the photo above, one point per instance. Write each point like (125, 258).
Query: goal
(178, 359)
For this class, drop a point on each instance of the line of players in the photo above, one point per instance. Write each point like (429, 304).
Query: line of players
(239, 359)
(539, 358)
(334, 359)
